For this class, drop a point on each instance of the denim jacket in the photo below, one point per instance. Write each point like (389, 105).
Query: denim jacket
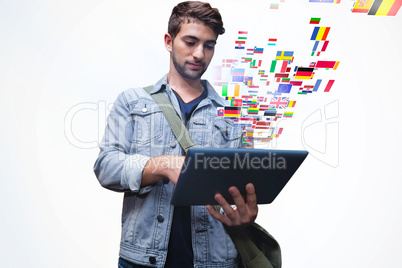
(137, 131)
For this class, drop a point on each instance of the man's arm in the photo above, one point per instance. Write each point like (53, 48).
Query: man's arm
(160, 167)
(119, 171)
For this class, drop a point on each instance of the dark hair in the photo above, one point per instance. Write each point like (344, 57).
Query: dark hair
(191, 11)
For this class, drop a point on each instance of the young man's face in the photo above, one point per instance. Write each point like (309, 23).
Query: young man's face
(192, 49)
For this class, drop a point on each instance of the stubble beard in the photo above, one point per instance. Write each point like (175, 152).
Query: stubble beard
(186, 71)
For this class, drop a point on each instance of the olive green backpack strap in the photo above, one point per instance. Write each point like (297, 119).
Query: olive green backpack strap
(180, 131)
(257, 248)
(251, 256)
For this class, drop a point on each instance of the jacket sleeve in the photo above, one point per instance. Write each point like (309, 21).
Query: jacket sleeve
(115, 168)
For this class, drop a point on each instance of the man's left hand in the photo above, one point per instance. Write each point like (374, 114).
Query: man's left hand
(245, 212)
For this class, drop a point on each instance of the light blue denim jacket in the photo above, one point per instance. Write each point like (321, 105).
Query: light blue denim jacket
(137, 131)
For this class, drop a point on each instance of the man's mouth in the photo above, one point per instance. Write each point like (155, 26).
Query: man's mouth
(195, 65)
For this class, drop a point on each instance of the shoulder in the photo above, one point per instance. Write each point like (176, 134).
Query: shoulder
(133, 95)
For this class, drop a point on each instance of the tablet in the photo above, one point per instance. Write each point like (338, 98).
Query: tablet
(207, 171)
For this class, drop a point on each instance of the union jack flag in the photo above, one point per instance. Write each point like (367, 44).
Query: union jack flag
(278, 102)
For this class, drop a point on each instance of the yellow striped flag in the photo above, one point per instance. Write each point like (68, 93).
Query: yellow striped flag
(288, 114)
(284, 55)
(320, 33)
(291, 103)
(252, 110)
(232, 112)
(385, 7)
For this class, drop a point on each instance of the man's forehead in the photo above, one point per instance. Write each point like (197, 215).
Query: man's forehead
(197, 30)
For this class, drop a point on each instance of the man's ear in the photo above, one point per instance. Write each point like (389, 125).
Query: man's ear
(168, 42)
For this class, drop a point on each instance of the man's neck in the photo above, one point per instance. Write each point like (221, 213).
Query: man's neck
(187, 89)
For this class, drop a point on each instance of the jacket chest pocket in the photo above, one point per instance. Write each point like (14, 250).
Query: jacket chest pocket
(225, 133)
(148, 122)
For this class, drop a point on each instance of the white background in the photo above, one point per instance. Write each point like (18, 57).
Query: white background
(56, 55)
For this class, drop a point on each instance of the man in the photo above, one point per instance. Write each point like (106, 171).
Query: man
(141, 157)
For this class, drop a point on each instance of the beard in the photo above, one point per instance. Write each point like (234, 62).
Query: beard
(185, 71)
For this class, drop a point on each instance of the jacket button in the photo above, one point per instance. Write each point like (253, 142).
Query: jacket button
(172, 144)
(144, 110)
(160, 218)
(152, 260)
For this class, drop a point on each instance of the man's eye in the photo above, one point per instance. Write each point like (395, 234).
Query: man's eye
(210, 47)
(190, 43)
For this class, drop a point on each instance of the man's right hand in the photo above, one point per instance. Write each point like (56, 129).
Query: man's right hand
(160, 167)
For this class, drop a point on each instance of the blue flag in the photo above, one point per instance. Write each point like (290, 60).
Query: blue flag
(284, 88)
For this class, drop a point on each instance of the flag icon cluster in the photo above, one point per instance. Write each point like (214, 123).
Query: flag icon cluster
(262, 85)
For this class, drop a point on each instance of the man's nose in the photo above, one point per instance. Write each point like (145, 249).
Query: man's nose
(198, 52)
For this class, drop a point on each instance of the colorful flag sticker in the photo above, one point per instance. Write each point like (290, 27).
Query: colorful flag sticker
(247, 94)
(284, 55)
(324, 47)
(317, 85)
(315, 45)
(304, 73)
(325, 64)
(362, 6)
(320, 33)
(229, 62)
(278, 102)
(237, 91)
(315, 20)
(236, 102)
(220, 111)
(272, 41)
(288, 114)
(262, 125)
(296, 83)
(292, 104)
(274, 6)
(385, 7)
(329, 85)
(252, 110)
(284, 88)
(273, 65)
(224, 90)
(284, 66)
(232, 111)
(237, 78)
(270, 112)
(258, 50)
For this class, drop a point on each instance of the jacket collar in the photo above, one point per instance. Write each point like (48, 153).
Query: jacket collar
(162, 84)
